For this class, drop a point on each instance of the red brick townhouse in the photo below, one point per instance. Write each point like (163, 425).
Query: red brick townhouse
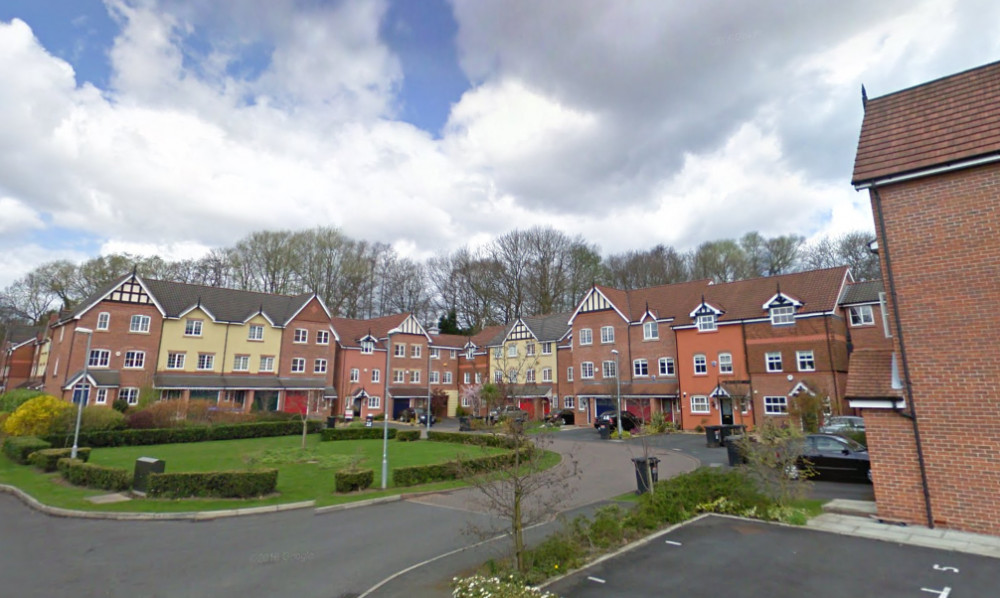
(929, 157)
(474, 368)
(445, 350)
(747, 349)
(19, 356)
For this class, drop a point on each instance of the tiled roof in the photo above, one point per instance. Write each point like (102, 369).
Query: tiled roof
(664, 301)
(451, 341)
(351, 331)
(862, 292)
(19, 333)
(944, 121)
(548, 328)
(870, 375)
(227, 305)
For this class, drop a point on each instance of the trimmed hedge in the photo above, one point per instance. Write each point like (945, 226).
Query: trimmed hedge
(48, 459)
(214, 484)
(79, 473)
(452, 470)
(19, 448)
(408, 435)
(185, 434)
(349, 481)
(355, 433)
(476, 439)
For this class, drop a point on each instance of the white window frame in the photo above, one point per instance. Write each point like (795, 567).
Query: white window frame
(706, 323)
(470, 353)
(546, 348)
(609, 369)
(805, 360)
(466, 401)
(255, 332)
(453, 353)
(607, 335)
(529, 376)
(101, 396)
(399, 350)
(700, 365)
(241, 363)
(479, 378)
(374, 402)
(137, 359)
(650, 331)
(129, 394)
(103, 358)
(139, 324)
(322, 337)
(447, 378)
(861, 315)
(512, 376)
(435, 377)
(320, 365)
(467, 378)
(773, 362)
(193, 327)
(586, 336)
(546, 374)
(298, 365)
(529, 349)
(497, 376)
(667, 366)
(512, 350)
(640, 367)
(266, 363)
(301, 336)
(497, 352)
(376, 375)
(782, 315)
(367, 347)
(415, 377)
(569, 374)
(355, 375)
(568, 402)
(699, 404)
(435, 353)
(415, 351)
(103, 321)
(176, 360)
(587, 370)
(775, 405)
(725, 363)
(398, 376)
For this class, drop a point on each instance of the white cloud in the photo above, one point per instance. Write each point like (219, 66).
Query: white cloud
(17, 218)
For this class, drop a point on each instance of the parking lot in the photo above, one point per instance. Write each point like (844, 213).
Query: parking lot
(721, 556)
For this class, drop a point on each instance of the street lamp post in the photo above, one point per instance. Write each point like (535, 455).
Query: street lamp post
(618, 393)
(83, 399)
(385, 414)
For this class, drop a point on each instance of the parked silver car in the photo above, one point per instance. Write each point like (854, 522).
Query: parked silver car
(843, 423)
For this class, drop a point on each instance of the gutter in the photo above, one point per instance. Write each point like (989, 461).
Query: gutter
(871, 184)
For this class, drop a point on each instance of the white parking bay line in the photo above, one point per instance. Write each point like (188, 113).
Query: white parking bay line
(597, 579)
(672, 543)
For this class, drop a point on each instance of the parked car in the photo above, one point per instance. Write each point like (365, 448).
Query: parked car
(833, 456)
(419, 415)
(609, 418)
(843, 423)
(565, 417)
(507, 412)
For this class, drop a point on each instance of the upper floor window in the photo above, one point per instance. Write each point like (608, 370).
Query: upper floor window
(640, 367)
(398, 376)
(103, 320)
(725, 363)
(569, 374)
(241, 363)
(806, 361)
(772, 360)
(783, 315)
(301, 336)
(479, 378)
(415, 377)
(862, 315)
(529, 376)
(498, 353)
(266, 363)
(667, 366)
(435, 377)
(650, 331)
(139, 324)
(355, 375)
(399, 350)
(529, 349)
(298, 365)
(586, 370)
(435, 353)
(700, 365)
(99, 358)
(498, 376)
(470, 353)
(256, 332)
(607, 334)
(447, 378)
(512, 351)
(609, 370)
(175, 361)
(467, 378)
(322, 337)
(546, 374)
(512, 376)
(706, 322)
(546, 348)
(135, 359)
(376, 375)
(367, 347)
(415, 351)
(192, 328)
(586, 336)
(453, 354)
(319, 366)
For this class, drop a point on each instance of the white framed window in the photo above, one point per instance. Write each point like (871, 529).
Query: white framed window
(399, 350)
(497, 352)
(479, 378)
(466, 378)
(607, 334)
(806, 361)
(175, 361)
(298, 365)
(529, 376)
(367, 347)
(374, 402)
(101, 396)
(470, 353)
(99, 358)
(650, 331)
(447, 378)
(587, 370)
(546, 374)
(609, 369)
(435, 353)
(700, 365)
(453, 354)
(192, 327)
(529, 349)
(129, 394)
(266, 363)
(134, 360)
(376, 375)
(398, 376)
(255, 332)
(415, 351)
(322, 337)
(782, 315)
(568, 402)
(775, 405)
(586, 336)
(772, 360)
(511, 350)
(241, 363)
(512, 376)
(706, 323)
(319, 366)
(725, 363)
(466, 401)
(546, 348)
(640, 368)
(301, 336)
(862, 315)
(435, 377)
(355, 375)
(498, 376)
(139, 324)
(103, 322)
(569, 374)
(415, 377)
(699, 404)
(582, 405)
(667, 366)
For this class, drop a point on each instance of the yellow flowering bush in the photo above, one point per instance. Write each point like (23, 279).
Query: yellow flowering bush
(36, 417)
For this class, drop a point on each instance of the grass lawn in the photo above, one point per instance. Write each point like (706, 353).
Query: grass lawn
(303, 475)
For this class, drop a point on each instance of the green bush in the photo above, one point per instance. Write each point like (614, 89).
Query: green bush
(557, 554)
(349, 481)
(120, 405)
(452, 470)
(93, 419)
(19, 448)
(353, 433)
(36, 417)
(408, 435)
(11, 400)
(215, 484)
(186, 434)
(476, 439)
(48, 459)
(79, 473)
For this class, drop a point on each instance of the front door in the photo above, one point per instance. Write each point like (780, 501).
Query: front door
(726, 407)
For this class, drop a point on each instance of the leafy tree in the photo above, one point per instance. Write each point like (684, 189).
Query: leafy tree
(36, 417)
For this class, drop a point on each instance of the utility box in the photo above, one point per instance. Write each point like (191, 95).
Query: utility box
(368, 421)
(143, 467)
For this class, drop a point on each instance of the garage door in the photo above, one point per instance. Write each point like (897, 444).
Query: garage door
(603, 406)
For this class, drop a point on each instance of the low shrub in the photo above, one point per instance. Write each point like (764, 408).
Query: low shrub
(497, 441)
(48, 459)
(185, 434)
(120, 405)
(93, 419)
(36, 417)
(3, 419)
(214, 484)
(79, 473)
(162, 414)
(355, 433)
(349, 481)
(19, 448)
(556, 554)
(11, 400)
(452, 470)
(408, 435)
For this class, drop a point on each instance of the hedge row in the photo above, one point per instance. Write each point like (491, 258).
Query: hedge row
(349, 481)
(408, 435)
(79, 473)
(48, 459)
(477, 439)
(214, 484)
(453, 470)
(19, 448)
(355, 433)
(185, 434)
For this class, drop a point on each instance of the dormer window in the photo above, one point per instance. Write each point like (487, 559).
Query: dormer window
(706, 317)
(782, 315)
(706, 323)
(367, 347)
(470, 353)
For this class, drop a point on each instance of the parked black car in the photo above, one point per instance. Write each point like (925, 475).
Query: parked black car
(609, 418)
(565, 417)
(419, 414)
(507, 412)
(833, 456)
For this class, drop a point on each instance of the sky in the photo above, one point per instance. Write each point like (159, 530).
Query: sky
(171, 127)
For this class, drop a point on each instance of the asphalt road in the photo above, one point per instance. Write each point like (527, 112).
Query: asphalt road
(719, 556)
